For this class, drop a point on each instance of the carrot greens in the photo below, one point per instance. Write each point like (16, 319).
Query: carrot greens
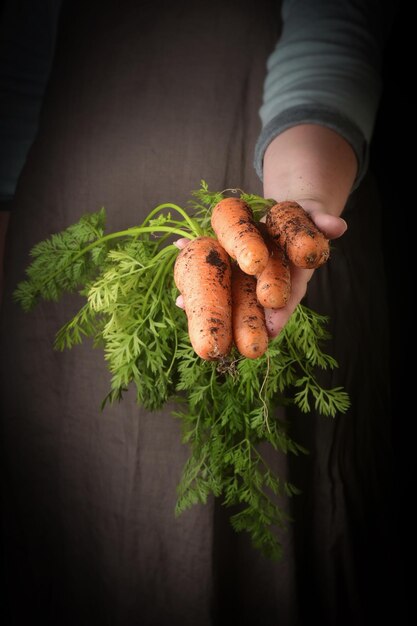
(227, 408)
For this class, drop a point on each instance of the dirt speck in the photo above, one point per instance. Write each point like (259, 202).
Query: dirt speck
(213, 258)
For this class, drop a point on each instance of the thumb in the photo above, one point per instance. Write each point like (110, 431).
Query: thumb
(330, 225)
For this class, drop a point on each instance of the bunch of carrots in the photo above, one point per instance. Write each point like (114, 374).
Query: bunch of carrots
(226, 283)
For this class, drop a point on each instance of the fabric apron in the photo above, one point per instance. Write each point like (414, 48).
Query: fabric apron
(146, 99)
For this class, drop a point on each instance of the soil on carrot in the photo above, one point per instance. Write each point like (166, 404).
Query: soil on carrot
(250, 229)
(213, 258)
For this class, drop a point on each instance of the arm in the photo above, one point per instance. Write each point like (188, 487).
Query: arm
(320, 101)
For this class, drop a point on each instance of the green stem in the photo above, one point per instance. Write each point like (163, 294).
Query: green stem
(138, 230)
(174, 352)
(194, 226)
(129, 232)
(160, 255)
(297, 360)
(143, 268)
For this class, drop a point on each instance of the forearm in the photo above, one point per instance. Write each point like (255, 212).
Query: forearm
(311, 164)
(324, 72)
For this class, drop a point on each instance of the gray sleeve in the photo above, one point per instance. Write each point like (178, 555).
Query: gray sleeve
(27, 42)
(325, 70)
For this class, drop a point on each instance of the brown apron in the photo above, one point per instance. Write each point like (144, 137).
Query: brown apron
(145, 99)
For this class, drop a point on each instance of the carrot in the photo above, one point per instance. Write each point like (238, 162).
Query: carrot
(291, 227)
(202, 273)
(248, 317)
(232, 221)
(273, 286)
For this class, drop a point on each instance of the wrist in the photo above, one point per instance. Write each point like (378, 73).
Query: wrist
(312, 165)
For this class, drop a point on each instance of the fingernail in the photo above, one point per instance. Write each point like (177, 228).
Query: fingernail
(180, 302)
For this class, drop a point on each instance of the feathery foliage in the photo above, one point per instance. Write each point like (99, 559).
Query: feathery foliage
(228, 408)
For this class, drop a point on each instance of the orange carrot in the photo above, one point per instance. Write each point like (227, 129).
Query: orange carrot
(273, 286)
(291, 227)
(232, 221)
(248, 317)
(202, 273)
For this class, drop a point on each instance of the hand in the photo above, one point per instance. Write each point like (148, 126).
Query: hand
(276, 319)
(316, 167)
(181, 243)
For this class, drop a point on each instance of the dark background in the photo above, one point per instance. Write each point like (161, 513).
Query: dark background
(392, 165)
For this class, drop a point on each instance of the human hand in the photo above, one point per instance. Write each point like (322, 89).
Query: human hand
(181, 243)
(314, 166)
(333, 227)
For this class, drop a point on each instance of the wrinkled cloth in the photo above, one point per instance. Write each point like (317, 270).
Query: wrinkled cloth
(91, 536)
(325, 69)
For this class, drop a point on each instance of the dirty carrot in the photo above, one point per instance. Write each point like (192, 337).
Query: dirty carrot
(232, 221)
(291, 227)
(202, 274)
(273, 286)
(248, 318)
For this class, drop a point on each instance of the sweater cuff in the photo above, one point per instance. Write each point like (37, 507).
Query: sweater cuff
(314, 115)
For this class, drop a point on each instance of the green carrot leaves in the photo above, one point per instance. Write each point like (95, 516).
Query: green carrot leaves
(228, 410)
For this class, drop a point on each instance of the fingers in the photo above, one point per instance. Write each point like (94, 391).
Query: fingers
(330, 225)
(277, 318)
(181, 243)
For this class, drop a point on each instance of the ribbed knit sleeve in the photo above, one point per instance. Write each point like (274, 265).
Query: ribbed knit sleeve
(325, 70)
